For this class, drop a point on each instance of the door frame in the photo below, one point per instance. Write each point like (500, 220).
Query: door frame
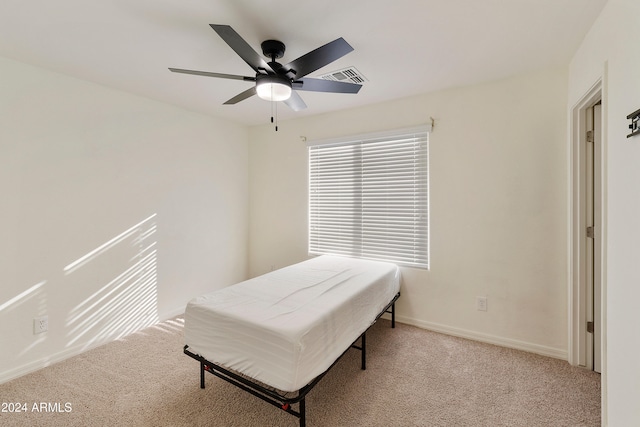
(580, 297)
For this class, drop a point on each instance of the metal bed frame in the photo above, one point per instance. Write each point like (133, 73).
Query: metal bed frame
(271, 395)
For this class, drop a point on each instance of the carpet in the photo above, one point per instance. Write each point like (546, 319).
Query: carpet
(414, 377)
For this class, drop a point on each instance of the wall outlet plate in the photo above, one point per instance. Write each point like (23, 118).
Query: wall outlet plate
(481, 303)
(40, 324)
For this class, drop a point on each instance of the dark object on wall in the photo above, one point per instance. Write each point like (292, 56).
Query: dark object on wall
(635, 123)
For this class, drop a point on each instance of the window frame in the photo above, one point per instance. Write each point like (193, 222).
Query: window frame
(420, 229)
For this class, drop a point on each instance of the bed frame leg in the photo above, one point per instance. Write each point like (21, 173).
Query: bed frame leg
(393, 315)
(303, 417)
(201, 374)
(364, 351)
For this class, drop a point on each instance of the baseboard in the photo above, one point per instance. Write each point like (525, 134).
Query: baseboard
(171, 314)
(69, 352)
(36, 365)
(487, 338)
(436, 327)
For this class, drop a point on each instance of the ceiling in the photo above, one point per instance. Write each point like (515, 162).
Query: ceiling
(402, 47)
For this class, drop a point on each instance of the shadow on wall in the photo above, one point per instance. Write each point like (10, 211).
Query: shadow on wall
(119, 281)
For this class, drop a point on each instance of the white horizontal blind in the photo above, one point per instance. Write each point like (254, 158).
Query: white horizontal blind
(368, 197)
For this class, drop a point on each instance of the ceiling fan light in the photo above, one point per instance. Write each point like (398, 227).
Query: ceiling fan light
(273, 88)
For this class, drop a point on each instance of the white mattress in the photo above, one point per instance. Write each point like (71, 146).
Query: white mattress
(288, 326)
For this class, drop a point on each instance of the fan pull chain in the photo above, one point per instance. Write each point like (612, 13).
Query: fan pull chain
(274, 105)
(276, 121)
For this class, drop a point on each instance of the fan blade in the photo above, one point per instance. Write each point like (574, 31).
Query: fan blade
(295, 102)
(242, 96)
(241, 47)
(320, 85)
(208, 74)
(318, 58)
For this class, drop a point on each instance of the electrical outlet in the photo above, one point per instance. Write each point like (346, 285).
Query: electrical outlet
(481, 303)
(40, 324)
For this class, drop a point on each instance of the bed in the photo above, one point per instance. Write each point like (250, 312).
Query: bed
(278, 334)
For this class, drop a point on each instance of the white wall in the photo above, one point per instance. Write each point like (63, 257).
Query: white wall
(498, 183)
(610, 52)
(80, 165)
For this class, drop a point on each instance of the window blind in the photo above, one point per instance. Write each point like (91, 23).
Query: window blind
(368, 197)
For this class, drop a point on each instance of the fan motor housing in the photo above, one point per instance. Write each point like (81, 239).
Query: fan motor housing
(273, 49)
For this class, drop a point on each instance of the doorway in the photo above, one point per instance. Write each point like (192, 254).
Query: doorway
(592, 256)
(587, 252)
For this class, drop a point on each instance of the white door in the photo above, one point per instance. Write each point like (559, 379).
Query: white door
(593, 255)
(597, 247)
(587, 234)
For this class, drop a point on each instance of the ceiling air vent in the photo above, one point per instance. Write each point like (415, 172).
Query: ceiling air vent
(348, 75)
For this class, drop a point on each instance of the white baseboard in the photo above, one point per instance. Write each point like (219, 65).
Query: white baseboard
(68, 353)
(171, 314)
(47, 361)
(487, 338)
(436, 327)
(463, 333)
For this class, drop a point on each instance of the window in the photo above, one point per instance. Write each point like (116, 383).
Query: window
(368, 197)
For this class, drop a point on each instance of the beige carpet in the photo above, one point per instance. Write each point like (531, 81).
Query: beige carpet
(413, 378)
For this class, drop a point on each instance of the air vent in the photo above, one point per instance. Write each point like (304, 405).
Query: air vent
(348, 75)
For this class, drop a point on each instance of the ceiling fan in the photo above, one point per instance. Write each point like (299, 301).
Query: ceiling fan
(277, 82)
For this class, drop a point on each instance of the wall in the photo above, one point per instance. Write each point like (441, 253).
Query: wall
(609, 53)
(498, 183)
(116, 210)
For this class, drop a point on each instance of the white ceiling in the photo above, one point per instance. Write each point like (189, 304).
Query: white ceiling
(403, 47)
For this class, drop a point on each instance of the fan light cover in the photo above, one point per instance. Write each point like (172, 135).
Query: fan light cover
(273, 88)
